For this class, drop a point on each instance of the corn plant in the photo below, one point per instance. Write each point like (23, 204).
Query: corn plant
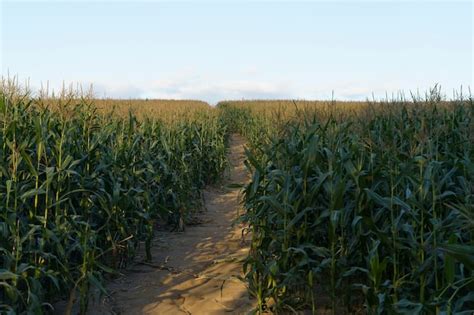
(367, 213)
(80, 190)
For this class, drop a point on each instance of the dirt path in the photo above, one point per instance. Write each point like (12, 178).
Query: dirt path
(193, 272)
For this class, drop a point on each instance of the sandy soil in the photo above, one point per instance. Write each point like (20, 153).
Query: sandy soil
(196, 271)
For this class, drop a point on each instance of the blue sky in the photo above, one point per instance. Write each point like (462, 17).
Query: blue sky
(239, 49)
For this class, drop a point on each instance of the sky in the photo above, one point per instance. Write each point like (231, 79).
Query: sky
(216, 50)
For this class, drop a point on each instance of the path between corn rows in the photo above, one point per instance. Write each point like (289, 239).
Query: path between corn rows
(193, 272)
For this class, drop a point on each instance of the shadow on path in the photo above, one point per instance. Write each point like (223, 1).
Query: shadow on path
(202, 264)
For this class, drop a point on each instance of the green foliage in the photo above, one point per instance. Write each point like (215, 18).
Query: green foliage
(79, 191)
(371, 212)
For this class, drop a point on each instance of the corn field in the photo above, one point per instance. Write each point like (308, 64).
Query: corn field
(353, 207)
(80, 190)
(364, 208)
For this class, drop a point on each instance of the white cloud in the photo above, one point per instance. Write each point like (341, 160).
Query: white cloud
(208, 90)
(190, 86)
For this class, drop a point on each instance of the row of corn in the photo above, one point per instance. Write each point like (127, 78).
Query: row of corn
(81, 191)
(360, 207)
